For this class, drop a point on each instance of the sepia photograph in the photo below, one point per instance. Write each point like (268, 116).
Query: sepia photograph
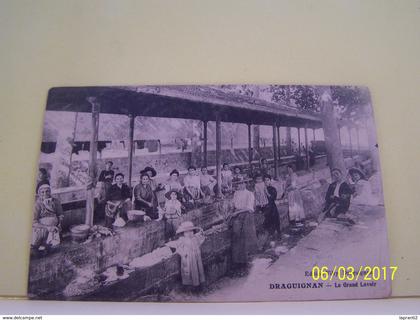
(209, 193)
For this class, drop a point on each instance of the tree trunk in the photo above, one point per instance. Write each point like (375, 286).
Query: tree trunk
(256, 139)
(196, 155)
(332, 141)
(372, 139)
(62, 159)
(289, 140)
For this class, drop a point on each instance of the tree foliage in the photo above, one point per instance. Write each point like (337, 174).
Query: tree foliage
(349, 101)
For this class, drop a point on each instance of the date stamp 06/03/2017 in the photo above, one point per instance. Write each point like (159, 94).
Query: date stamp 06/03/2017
(352, 273)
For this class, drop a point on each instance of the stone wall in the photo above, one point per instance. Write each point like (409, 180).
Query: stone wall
(49, 275)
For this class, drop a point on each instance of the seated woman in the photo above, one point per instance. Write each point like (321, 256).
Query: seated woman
(144, 197)
(118, 201)
(207, 183)
(157, 188)
(227, 177)
(173, 182)
(362, 194)
(337, 199)
(151, 172)
(192, 186)
(46, 226)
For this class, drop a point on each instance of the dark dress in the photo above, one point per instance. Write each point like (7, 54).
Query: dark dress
(106, 176)
(271, 213)
(116, 193)
(336, 205)
(244, 237)
(116, 203)
(146, 193)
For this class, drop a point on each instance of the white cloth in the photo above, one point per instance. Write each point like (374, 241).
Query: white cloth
(173, 185)
(227, 177)
(363, 194)
(337, 189)
(172, 208)
(261, 198)
(192, 181)
(244, 200)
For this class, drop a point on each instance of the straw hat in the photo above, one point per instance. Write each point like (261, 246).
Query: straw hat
(154, 173)
(186, 226)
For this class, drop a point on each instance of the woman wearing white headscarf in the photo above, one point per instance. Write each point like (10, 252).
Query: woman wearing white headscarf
(48, 214)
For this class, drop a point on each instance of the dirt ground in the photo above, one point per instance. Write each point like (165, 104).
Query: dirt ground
(290, 261)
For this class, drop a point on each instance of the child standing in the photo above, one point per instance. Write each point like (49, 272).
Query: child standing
(171, 213)
(188, 247)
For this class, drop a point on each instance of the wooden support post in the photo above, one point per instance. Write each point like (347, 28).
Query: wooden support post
(76, 116)
(249, 149)
(339, 135)
(205, 143)
(218, 156)
(90, 194)
(350, 142)
(278, 146)
(358, 139)
(306, 147)
(275, 150)
(299, 151)
(130, 148)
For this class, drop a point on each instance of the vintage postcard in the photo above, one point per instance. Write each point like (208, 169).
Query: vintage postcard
(209, 193)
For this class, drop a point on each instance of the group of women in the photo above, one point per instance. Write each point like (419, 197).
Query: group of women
(170, 198)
